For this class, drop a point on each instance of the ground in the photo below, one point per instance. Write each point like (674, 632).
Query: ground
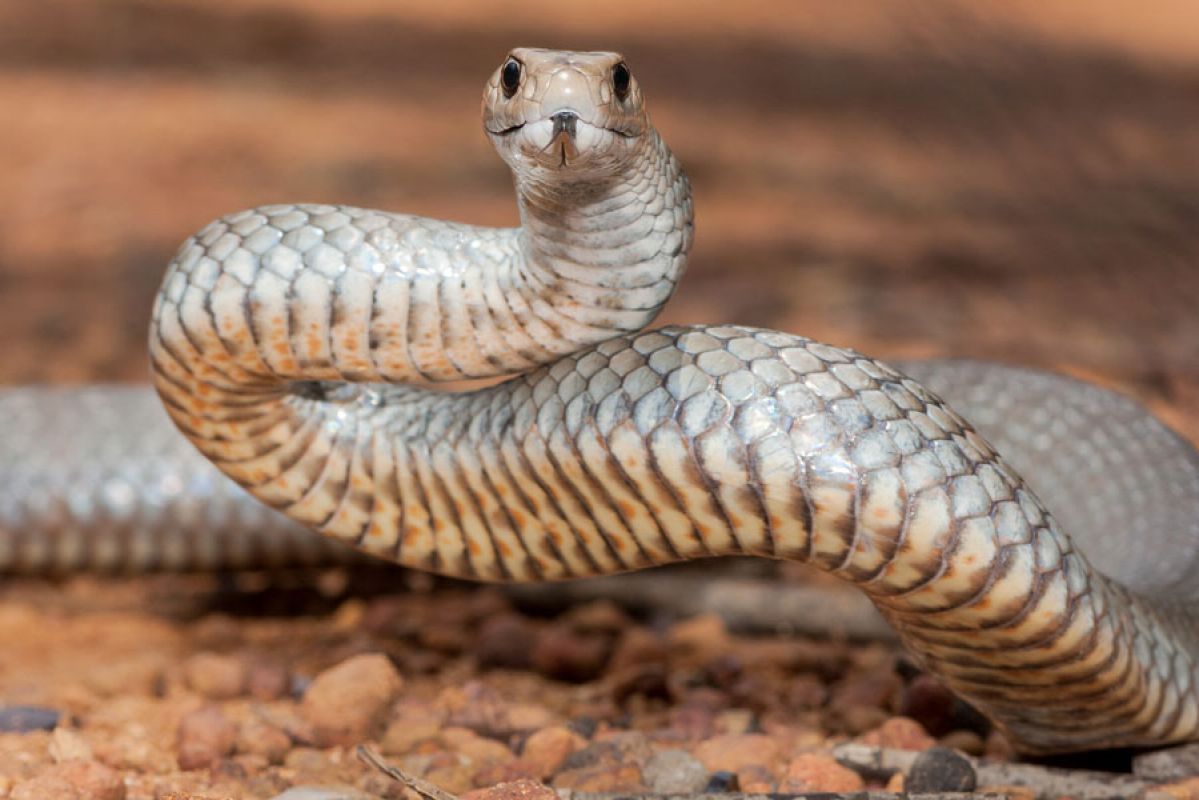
(1012, 182)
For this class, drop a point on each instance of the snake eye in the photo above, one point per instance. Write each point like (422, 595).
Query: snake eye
(510, 77)
(620, 80)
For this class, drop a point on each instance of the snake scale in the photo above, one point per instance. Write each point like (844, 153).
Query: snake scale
(292, 345)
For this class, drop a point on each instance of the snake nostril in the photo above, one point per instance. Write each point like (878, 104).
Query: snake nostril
(565, 122)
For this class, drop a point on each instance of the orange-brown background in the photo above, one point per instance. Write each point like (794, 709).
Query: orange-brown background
(1016, 181)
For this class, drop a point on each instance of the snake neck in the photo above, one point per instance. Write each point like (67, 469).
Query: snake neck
(609, 249)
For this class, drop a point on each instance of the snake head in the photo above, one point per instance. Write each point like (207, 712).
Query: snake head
(547, 111)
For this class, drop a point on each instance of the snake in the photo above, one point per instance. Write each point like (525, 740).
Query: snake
(299, 349)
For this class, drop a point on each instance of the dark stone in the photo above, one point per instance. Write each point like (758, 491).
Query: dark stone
(940, 769)
(23, 719)
(722, 781)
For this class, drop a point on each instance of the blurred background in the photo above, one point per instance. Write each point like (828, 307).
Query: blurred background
(1015, 181)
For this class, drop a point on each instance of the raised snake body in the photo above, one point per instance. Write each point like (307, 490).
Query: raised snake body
(285, 338)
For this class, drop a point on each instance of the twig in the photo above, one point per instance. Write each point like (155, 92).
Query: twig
(1047, 782)
(746, 604)
(421, 786)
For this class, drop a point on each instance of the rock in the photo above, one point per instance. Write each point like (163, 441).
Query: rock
(598, 616)
(929, 702)
(1169, 764)
(205, 737)
(636, 647)
(322, 793)
(1180, 790)
(700, 639)
(479, 750)
(69, 745)
(756, 779)
(506, 772)
(858, 720)
(806, 691)
(674, 772)
(516, 790)
(623, 778)
(215, 676)
(876, 688)
(23, 719)
(1009, 791)
(901, 733)
(72, 780)
(722, 781)
(939, 769)
(547, 749)
(813, 772)
(563, 653)
(349, 702)
(267, 681)
(257, 737)
(735, 752)
(506, 640)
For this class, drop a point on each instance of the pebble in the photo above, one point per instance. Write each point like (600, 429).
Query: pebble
(350, 701)
(968, 742)
(700, 639)
(674, 772)
(321, 793)
(547, 749)
(735, 752)
(479, 750)
(1169, 764)
(23, 719)
(267, 681)
(598, 616)
(1009, 791)
(756, 779)
(506, 640)
(72, 780)
(929, 702)
(215, 676)
(722, 781)
(257, 737)
(516, 790)
(623, 778)
(1179, 790)
(814, 772)
(940, 769)
(901, 733)
(68, 745)
(563, 653)
(205, 737)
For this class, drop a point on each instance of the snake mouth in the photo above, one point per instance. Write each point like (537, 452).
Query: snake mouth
(511, 129)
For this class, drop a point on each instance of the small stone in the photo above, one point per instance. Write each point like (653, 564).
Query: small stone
(636, 647)
(563, 653)
(73, 780)
(722, 781)
(700, 639)
(257, 737)
(349, 702)
(215, 676)
(516, 790)
(901, 733)
(23, 719)
(929, 702)
(756, 779)
(69, 745)
(939, 769)
(1179, 790)
(321, 793)
(506, 772)
(806, 691)
(506, 640)
(205, 737)
(674, 772)
(857, 720)
(1169, 764)
(876, 688)
(1009, 791)
(599, 616)
(625, 778)
(813, 772)
(479, 750)
(548, 748)
(267, 681)
(734, 753)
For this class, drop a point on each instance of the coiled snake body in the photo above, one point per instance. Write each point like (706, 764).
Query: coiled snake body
(285, 339)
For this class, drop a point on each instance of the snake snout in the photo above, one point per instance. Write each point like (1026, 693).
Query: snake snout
(565, 122)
